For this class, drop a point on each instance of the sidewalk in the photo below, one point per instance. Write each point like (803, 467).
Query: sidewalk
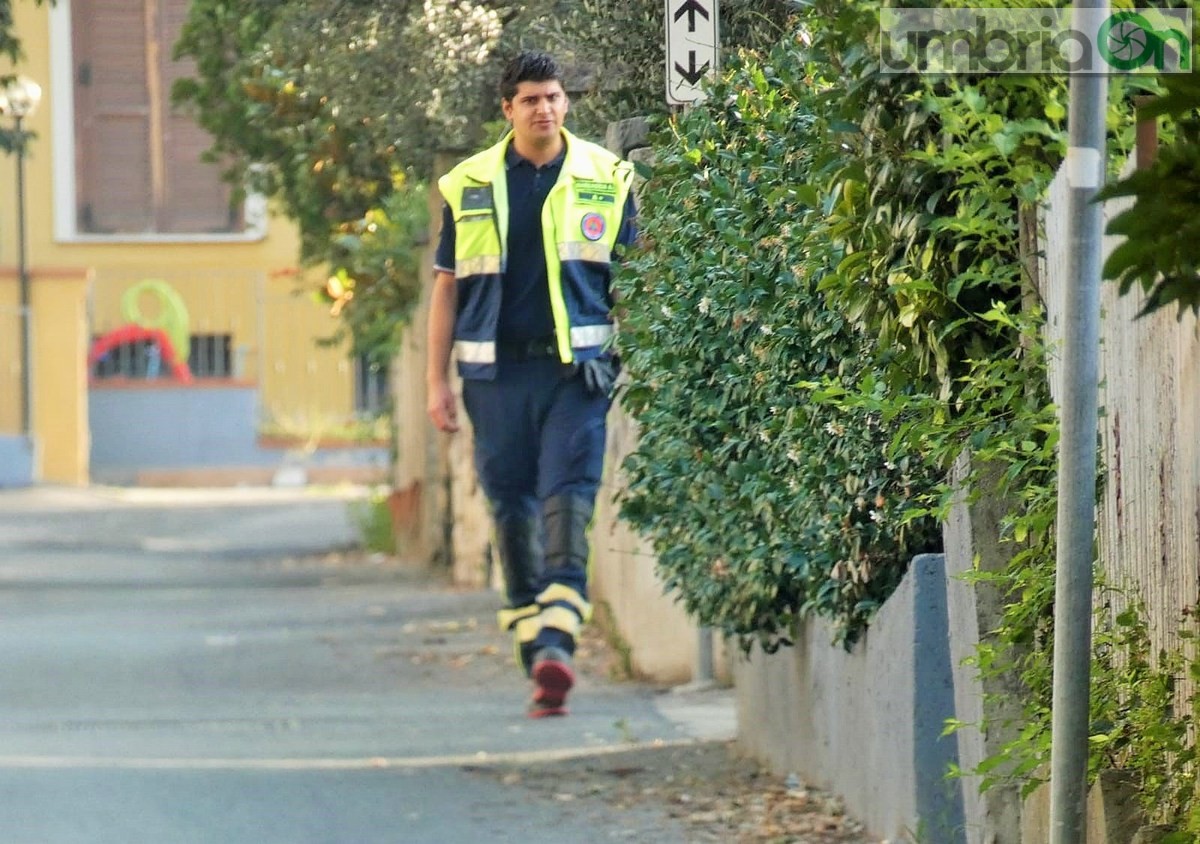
(211, 634)
(433, 637)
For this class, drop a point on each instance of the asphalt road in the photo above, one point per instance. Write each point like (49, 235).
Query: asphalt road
(196, 666)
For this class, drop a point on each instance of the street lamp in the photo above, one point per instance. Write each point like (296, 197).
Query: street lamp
(18, 100)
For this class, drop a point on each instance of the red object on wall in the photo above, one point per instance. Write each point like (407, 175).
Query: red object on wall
(134, 333)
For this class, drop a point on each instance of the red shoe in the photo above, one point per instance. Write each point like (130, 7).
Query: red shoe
(537, 709)
(553, 678)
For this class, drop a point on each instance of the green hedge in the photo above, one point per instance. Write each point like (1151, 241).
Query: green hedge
(832, 303)
(763, 505)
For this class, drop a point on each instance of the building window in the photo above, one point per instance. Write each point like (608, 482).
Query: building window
(138, 167)
(140, 359)
(372, 387)
(210, 357)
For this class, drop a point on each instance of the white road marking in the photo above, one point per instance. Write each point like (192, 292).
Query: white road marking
(524, 757)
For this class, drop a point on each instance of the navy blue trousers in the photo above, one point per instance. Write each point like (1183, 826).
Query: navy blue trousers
(538, 434)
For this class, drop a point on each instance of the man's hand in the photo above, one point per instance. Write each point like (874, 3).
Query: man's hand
(443, 407)
(600, 375)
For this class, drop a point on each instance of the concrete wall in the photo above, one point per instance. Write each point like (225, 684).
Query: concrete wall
(662, 639)
(1148, 530)
(990, 708)
(17, 460)
(866, 724)
(172, 426)
(60, 374)
(140, 432)
(1112, 814)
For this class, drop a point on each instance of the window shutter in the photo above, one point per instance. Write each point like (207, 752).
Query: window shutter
(138, 167)
(194, 197)
(112, 117)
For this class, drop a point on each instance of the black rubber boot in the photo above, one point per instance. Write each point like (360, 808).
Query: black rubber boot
(567, 518)
(564, 592)
(518, 544)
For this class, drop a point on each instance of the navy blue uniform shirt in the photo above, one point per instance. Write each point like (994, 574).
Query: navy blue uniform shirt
(525, 290)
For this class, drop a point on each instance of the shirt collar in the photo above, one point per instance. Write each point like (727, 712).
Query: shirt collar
(512, 158)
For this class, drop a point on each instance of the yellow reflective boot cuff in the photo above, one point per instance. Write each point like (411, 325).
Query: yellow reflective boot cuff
(561, 618)
(558, 593)
(506, 618)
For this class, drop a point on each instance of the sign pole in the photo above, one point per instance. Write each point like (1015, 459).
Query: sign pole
(1077, 447)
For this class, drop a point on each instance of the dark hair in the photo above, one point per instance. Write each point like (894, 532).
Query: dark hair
(529, 66)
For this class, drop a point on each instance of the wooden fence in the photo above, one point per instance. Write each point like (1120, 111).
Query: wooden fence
(1149, 515)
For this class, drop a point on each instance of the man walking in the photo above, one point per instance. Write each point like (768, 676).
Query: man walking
(521, 297)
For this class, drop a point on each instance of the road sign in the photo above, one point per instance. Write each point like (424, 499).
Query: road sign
(691, 48)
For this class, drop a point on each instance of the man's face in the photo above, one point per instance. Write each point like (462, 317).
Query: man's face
(537, 112)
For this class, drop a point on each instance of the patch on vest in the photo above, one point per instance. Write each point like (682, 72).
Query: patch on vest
(597, 193)
(477, 199)
(593, 226)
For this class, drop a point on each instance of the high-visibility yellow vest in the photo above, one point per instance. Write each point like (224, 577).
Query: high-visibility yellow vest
(581, 218)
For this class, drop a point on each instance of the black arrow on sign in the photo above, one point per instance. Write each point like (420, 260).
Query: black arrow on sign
(691, 8)
(690, 74)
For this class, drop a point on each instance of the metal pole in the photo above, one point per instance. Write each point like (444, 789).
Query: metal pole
(23, 280)
(1077, 449)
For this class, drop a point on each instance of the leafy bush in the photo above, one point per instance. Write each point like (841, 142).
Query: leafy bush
(835, 301)
(762, 504)
(373, 518)
(1141, 723)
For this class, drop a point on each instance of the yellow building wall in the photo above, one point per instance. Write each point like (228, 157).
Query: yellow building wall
(273, 321)
(60, 419)
(59, 385)
(242, 287)
(10, 356)
(304, 388)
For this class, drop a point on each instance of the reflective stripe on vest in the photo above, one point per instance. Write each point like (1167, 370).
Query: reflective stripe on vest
(597, 253)
(475, 351)
(480, 265)
(591, 335)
